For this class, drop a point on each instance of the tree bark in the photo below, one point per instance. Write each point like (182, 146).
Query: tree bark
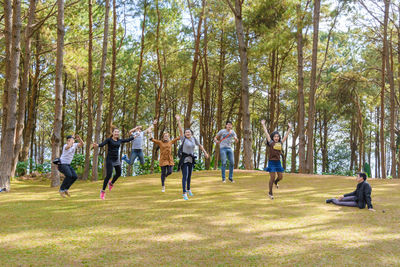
(221, 77)
(7, 41)
(382, 126)
(193, 78)
(139, 73)
(389, 66)
(24, 85)
(32, 102)
(7, 151)
(56, 137)
(247, 138)
(90, 96)
(300, 92)
(100, 93)
(160, 86)
(313, 88)
(113, 69)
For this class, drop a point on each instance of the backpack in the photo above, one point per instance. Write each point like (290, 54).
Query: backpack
(180, 150)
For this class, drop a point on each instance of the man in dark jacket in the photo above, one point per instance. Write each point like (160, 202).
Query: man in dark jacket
(358, 198)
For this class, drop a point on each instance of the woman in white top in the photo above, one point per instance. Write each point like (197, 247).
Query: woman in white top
(65, 167)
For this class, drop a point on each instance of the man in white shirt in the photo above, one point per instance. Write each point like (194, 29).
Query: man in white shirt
(65, 167)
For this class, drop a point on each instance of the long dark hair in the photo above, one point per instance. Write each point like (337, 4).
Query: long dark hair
(275, 133)
(113, 128)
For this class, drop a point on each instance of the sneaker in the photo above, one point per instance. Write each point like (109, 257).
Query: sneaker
(271, 196)
(163, 189)
(232, 181)
(329, 201)
(67, 193)
(110, 186)
(124, 157)
(223, 181)
(185, 197)
(102, 195)
(62, 194)
(190, 193)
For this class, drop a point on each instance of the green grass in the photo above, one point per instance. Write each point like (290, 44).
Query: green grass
(222, 225)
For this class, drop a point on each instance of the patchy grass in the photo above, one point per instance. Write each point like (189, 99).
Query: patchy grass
(223, 224)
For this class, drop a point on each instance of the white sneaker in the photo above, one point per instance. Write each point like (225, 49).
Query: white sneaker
(271, 196)
(163, 189)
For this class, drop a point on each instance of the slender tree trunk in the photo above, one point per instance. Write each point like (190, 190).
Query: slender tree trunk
(90, 97)
(113, 68)
(300, 92)
(56, 137)
(247, 138)
(389, 66)
(160, 86)
(221, 77)
(313, 88)
(64, 98)
(238, 146)
(193, 78)
(24, 86)
(32, 102)
(7, 152)
(377, 152)
(139, 73)
(100, 93)
(384, 55)
(7, 41)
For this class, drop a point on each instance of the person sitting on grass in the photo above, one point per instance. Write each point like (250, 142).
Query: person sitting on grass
(359, 198)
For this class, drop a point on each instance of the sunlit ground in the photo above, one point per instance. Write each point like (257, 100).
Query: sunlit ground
(223, 224)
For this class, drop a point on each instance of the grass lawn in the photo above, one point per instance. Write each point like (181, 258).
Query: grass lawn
(222, 225)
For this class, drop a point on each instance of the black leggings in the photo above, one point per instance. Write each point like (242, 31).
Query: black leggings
(165, 172)
(109, 171)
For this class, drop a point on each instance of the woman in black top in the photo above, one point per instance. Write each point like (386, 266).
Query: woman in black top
(112, 160)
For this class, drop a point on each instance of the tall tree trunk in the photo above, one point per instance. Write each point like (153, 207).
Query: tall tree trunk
(377, 152)
(7, 41)
(193, 77)
(113, 68)
(139, 73)
(384, 55)
(389, 66)
(221, 77)
(100, 93)
(9, 134)
(56, 137)
(64, 98)
(24, 85)
(313, 88)
(32, 102)
(247, 138)
(300, 92)
(160, 86)
(90, 96)
(238, 146)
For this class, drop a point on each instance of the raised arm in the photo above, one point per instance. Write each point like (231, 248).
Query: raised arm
(148, 130)
(287, 133)
(126, 140)
(266, 131)
(178, 118)
(94, 145)
(81, 143)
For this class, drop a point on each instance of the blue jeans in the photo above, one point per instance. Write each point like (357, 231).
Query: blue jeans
(136, 153)
(227, 153)
(346, 201)
(187, 169)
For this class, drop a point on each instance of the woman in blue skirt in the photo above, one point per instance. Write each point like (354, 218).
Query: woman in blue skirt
(275, 168)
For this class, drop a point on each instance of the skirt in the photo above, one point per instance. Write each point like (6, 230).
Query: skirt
(274, 166)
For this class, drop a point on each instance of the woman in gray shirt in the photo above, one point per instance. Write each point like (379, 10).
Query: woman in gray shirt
(187, 159)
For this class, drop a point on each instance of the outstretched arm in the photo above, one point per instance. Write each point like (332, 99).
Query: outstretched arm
(178, 118)
(131, 131)
(287, 133)
(266, 131)
(216, 139)
(204, 151)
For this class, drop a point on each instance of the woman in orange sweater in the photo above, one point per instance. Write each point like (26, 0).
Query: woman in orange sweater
(166, 159)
